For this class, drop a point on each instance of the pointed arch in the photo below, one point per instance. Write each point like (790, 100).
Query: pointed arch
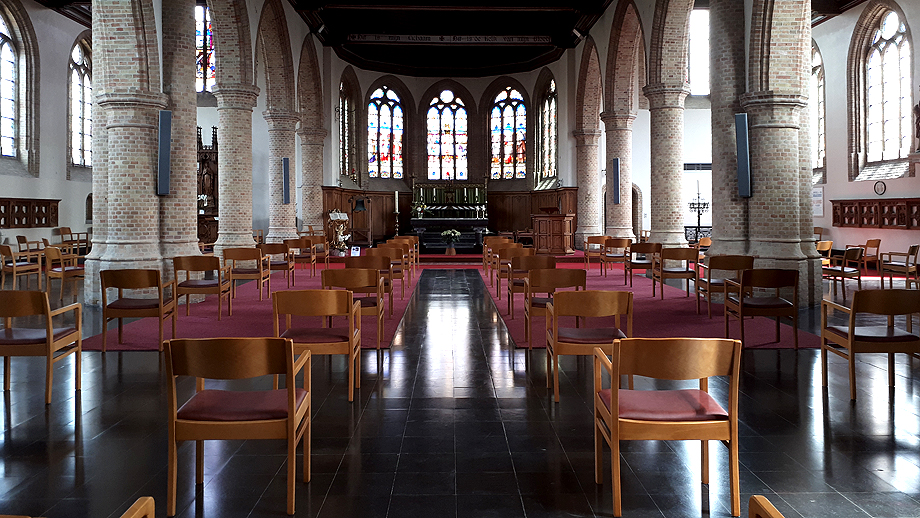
(27, 74)
(232, 42)
(668, 48)
(625, 60)
(588, 95)
(771, 34)
(467, 158)
(545, 131)
(309, 87)
(349, 120)
(487, 101)
(406, 104)
(274, 51)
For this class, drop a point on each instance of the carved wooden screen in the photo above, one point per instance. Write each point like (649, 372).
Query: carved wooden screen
(207, 189)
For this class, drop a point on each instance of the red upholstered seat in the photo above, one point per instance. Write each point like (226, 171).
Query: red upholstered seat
(245, 271)
(763, 302)
(540, 302)
(199, 283)
(132, 303)
(316, 334)
(367, 302)
(666, 405)
(590, 335)
(677, 270)
(21, 336)
(875, 334)
(225, 405)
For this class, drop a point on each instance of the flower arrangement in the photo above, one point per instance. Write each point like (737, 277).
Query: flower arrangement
(451, 236)
(419, 208)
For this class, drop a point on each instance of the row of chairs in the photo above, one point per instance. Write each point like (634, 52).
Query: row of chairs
(59, 264)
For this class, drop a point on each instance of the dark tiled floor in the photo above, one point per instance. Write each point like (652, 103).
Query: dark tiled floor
(453, 422)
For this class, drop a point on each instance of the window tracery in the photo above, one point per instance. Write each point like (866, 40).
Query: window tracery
(81, 105)
(447, 124)
(385, 134)
(508, 131)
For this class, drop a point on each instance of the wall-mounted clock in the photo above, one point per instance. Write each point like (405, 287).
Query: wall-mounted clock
(880, 187)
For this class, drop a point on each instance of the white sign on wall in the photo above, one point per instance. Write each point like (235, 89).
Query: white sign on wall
(817, 201)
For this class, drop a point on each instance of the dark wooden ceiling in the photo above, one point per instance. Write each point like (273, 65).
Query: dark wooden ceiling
(451, 38)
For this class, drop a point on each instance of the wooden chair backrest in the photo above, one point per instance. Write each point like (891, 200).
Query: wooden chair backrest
(488, 240)
(242, 254)
(273, 248)
(299, 244)
(824, 246)
(19, 303)
(53, 256)
(530, 262)
(593, 303)
(873, 243)
(705, 241)
(551, 279)
(596, 240)
(143, 507)
(312, 303)
(403, 247)
(228, 358)
(195, 263)
(678, 358)
(887, 302)
(914, 251)
(731, 262)
(377, 262)
(498, 247)
(505, 254)
(758, 505)
(21, 239)
(645, 248)
(6, 251)
(130, 279)
(680, 254)
(771, 278)
(351, 278)
(393, 254)
(617, 242)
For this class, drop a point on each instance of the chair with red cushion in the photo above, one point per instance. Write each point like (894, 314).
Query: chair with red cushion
(162, 306)
(218, 285)
(707, 285)
(248, 264)
(674, 263)
(682, 414)
(520, 270)
(366, 281)
(562, 339)
(741, 301)
(547, 281)
(384, 267)
(860, 336)
(229, 415)
(280, 258)
(53, 342)
(320, 339)
(64, 267)
(18, 264)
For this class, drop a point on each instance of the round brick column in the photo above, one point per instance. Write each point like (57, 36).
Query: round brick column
(178, 210)
(727, 63)
(282, 218)
(234, 189)
(311, 155)
(589, 199)
(666, 111)
(91, 281)
(618, 129)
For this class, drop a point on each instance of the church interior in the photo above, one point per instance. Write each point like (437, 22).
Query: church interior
(478, 150)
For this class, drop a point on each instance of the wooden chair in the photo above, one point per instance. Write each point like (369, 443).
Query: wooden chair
(870, 254)
(707, 285)
(258, 271)
(740, 301)
(760, 507)
(77, 241)
(396, 270)
(405, 259)
(644, 236)
(593, 246)
(32, 248)
(319, 248)
(824, 250)
(65, 268)
(226, 415)
(361, 280)
(858, 337)
(648, 251)
(520, 270)
(661, 271)
(53, 342)
(487, 243)
(143, 507)
(280, 258)
(219, 285)
(505, 255)
(300, 252)
(562, 340)
(904, 263)
(258, 235)
(838, 270)
(616, 250)
(547, 281)
(685, 414)
(819, 233)
(413, 250)
(18, 264)
(322, 340)
(702, 246)
(161, 307)
(384, 268)
(496, 249)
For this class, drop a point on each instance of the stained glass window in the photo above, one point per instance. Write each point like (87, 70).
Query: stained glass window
(888, 80)
(384, 135)
(508, 129)
(816, 102)
(206, 72)
(346, 138)
(546, 136)
(447, 138)
(7, 91)
(81, 105)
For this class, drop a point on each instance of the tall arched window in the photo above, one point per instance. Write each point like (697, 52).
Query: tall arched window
(8, 89)
(508, 130)
(384, 134)
(447, 138)
(888, 95)
(206, 71)
(346, 117)
(81, 104)
(547, 133)
(816, 102)
(698, 50)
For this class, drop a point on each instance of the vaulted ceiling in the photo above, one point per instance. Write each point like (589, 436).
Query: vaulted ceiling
(451, 38)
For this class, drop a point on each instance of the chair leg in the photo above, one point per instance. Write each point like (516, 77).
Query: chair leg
(6, 373)
(615, 468)
(291, 470)
(49, 377)
(78, 374)
(199, 462)
(824, 347)
(121, 331)
(171, 478)
(851, 356)
(307, 438)
(734, 473)
(891, 370)
(555, 377)
(598, 449)
(795, 328)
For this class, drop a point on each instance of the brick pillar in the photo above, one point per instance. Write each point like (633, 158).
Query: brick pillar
(727, 62)
(666, 111)
(311, 155)
(178, 210)
(589, 199)
(234, 186)
(91, 281)
(619, 145)
(282, 219)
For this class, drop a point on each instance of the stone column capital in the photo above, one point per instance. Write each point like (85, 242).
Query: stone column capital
(770, 109)
(313, 136)
(116, 99)
(281, 120)
(618, 121)
(666, 95)
(586, 137)
(236, 95)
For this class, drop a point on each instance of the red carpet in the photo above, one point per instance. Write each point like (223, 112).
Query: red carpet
(251, 317)
(675, 316)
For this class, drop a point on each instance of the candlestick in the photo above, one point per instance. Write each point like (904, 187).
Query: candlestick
(396, 197)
